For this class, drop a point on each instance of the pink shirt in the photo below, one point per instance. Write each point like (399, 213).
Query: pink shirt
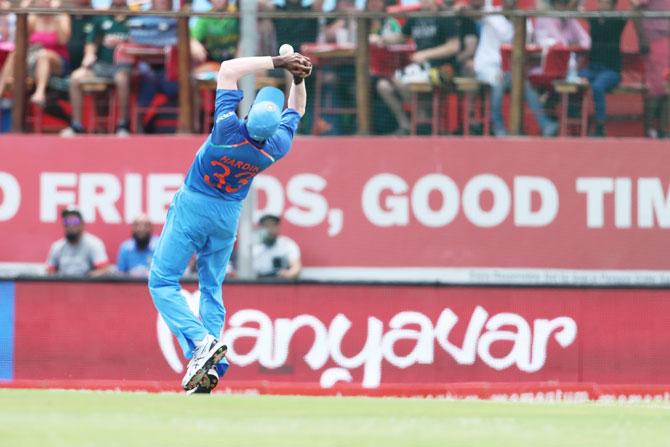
(550, 31)
(49, 40)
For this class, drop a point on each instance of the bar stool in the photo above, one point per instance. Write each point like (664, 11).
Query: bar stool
(467, 88)
(96, 91)
(579, 90)
(424, 88)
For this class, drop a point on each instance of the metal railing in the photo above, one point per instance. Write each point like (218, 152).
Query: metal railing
(363, 18)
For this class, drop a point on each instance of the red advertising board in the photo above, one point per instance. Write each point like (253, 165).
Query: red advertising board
(325, 336)
(373, 202)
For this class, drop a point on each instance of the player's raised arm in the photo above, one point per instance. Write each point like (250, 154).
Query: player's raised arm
(232, 70)
(297, 97)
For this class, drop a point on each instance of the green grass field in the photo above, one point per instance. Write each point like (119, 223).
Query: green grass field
(44, 418)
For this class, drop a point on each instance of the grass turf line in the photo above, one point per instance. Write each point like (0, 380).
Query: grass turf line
(49, 418)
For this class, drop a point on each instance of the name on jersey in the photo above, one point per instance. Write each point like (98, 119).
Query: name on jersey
(225, 176)
(239, 164)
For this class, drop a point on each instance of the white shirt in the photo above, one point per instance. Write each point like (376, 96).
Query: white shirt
(496, 30)
(268, 260)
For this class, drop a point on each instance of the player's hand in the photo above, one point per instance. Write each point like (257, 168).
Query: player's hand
(296, 64)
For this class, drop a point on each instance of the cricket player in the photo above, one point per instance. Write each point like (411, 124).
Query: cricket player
(204, 214)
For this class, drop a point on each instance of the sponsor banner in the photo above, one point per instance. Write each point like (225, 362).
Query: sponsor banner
(366, 337)
(372, 202)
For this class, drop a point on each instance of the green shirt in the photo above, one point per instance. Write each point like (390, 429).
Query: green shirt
(388, 26)
(219, 36)
(102, 26)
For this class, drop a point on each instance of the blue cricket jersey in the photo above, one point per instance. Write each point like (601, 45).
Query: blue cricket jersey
(229, 159)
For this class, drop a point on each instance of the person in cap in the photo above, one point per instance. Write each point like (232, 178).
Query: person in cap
(204, 214)
(79, 253)
(275, 255)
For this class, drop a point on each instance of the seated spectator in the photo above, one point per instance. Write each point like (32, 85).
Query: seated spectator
(79, 25)
(213, 38)
(135, 254)
(47, 50)
(444, 45)
(296, 32)
(604, 70)
(103, 34)
(654, 37)
(154, 32)
(497, 30)
(79, 253)
(341, 79)
(276, 256)
(550, 31)
(379, 28)
(7, 23)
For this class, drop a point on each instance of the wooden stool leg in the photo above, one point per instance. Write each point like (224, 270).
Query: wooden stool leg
(316, 116)
(487, 111)
(585, 113)
(89, 105)
(112, 112)
(466, 113)
(413, 108)
(38, 115)
(435, 121)
(564, 114)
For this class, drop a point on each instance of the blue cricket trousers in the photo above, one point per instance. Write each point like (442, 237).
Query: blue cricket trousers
(207, 226)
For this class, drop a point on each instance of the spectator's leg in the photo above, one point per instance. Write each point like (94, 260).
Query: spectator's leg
(46, 63)
(77, 97)
(497, 95)
(549, 127)
(390, 96)
(122, 83)
(603, 82)
(7, 72)
(665, 116)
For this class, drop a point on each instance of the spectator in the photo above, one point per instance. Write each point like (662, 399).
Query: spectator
(7, 23)
(550, 31)
(497, 30)
(156, 32)
(47, 51)
(604, 70)
(276, 255)
(79, 25)
(654, 37)
(379, 28)
(103, 34)
(213, 38)
(79, 253)
(341, 79)
(295, 32)
(135, 254)
(443, 43)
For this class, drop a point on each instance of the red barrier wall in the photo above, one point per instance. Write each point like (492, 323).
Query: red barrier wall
(354, 336)
(373, 202)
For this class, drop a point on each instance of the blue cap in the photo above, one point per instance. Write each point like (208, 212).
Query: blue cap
(265, 114)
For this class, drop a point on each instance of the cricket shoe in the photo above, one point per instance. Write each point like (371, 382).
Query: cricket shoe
(207, 384)
(209, 353)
